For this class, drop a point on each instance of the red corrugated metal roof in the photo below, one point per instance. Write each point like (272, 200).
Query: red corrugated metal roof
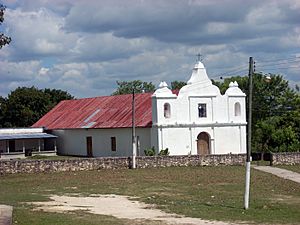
(99, 112)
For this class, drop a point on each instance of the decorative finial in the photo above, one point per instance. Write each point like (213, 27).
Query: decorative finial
(199, 57)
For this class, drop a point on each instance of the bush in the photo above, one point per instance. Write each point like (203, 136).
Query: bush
(164, 152)
(150, 151)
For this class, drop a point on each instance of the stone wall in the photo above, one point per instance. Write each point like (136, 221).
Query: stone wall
(41, 166)
(285, 158)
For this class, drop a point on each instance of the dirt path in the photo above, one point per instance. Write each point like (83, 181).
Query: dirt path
(286, 174)
(119, 207)
(5, 215)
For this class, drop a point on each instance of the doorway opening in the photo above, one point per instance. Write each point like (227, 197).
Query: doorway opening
(203, 144)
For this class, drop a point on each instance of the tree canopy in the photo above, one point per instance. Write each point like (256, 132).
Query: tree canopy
(176, 85)
(26, 105)
(126, 87)
(4, 40)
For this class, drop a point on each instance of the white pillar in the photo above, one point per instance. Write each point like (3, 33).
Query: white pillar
(55, 148)
(23, 148)
(39, 145)
(7, 145)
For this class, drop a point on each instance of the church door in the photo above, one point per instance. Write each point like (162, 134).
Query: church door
(89, 146)
(203, 144)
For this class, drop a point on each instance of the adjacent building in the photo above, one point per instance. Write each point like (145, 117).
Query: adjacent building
(21, 142)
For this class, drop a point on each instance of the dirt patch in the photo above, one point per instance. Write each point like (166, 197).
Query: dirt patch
(118, 206)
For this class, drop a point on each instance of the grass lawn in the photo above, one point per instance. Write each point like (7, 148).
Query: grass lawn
(214, 193)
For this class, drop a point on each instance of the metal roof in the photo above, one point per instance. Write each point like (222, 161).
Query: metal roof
(26, 136)
(99, 112)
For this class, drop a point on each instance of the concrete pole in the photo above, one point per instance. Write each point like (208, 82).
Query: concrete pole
(133, 131)
(248, 159)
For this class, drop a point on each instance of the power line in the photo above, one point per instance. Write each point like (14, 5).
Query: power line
(279, 63)
(236, 69)
(276, 60)
(263, 65)
(282, 68)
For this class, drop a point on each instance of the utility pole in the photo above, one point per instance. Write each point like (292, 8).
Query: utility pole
(133, 131)
(248, 159)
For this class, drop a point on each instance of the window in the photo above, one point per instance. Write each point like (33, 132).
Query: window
(237, 109)
(167, 110)
(113, 144)
(202, 110)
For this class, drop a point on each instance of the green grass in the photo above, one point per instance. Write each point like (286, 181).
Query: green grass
(295, 168)
(261, 163)
(214, 193)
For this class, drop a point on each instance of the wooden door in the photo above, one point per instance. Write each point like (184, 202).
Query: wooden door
(12, 145)
(203, 146)
(89, 146)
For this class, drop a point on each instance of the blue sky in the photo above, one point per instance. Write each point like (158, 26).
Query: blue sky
(84, 47)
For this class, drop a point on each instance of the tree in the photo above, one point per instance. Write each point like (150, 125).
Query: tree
(278, 134)
(25, 106)
(2, 110)
(56, 96)
(177, 85)
(3, 39)
(126, 87)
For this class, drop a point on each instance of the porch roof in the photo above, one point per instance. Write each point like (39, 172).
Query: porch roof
(26, 136)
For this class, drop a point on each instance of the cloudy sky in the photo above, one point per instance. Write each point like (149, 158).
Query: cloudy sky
(84, 47)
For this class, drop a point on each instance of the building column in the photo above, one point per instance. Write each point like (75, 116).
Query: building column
(39, 145)
(161, 139)
(55, 148)
(7, 145)
(23, 148)
(191, 140)
(214, 143)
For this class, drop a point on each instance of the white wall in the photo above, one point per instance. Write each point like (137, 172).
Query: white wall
(73, 142)
(230, 139)
(183, 140)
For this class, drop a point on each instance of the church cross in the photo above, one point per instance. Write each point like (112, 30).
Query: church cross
(199, 57)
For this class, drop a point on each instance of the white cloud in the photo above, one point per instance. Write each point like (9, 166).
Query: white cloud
(85, 46)
(37, 34)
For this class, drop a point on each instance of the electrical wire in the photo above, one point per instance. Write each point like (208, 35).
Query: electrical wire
(276, 60)
(261, 65)
(279, 63)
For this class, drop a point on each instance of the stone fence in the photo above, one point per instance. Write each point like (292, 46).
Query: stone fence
(78, 164)
(285, 158)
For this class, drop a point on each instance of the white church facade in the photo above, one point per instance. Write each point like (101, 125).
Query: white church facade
(199, 120)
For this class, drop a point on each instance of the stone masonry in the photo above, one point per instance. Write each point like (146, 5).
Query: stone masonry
(285, 158)
(45, 166)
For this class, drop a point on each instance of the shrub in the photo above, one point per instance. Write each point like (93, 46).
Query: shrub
(164, 152)
(150, 151)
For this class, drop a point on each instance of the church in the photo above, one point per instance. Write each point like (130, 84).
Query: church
(198, 119)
